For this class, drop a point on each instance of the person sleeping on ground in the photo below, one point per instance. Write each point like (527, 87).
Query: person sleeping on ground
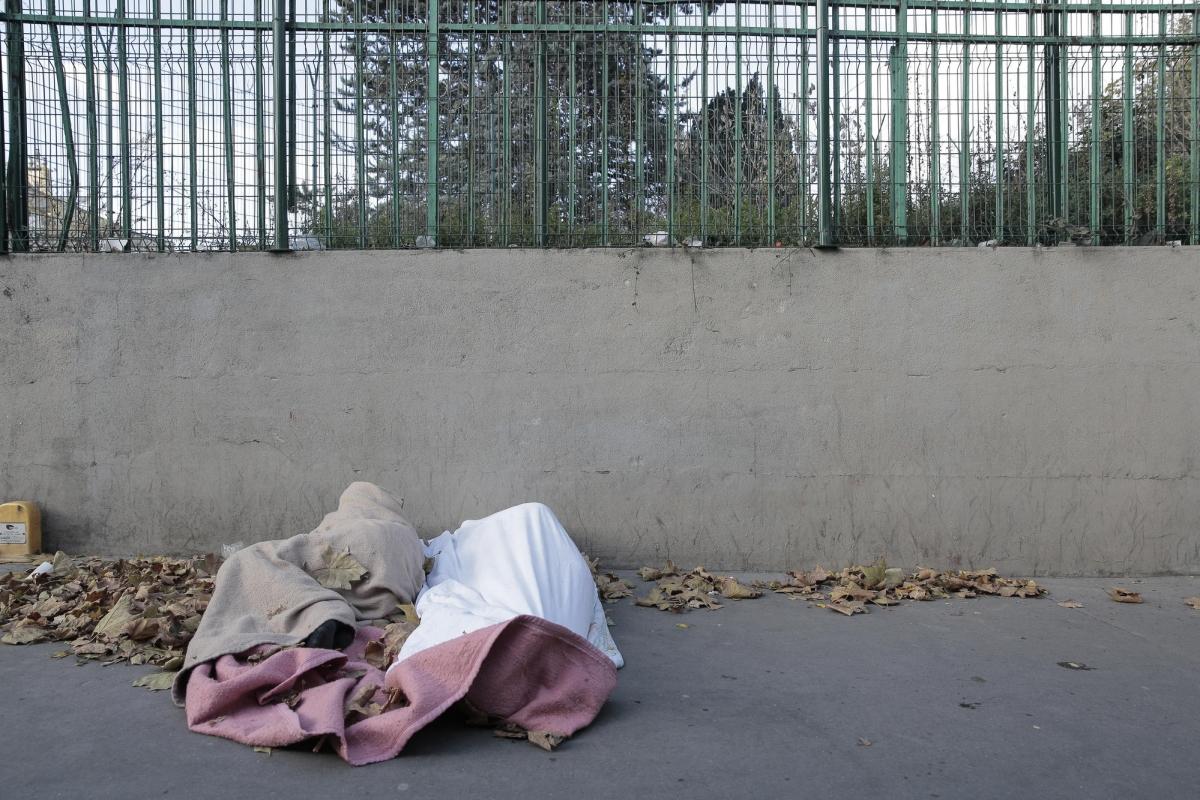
(511, 631)
(517, 562)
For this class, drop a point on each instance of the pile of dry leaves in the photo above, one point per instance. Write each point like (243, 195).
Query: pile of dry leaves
(850, 590)
(847, 592)
(677, 591)
(140, 610)
(608, 585)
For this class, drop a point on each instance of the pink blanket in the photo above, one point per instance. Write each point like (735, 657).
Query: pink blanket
(527, 671)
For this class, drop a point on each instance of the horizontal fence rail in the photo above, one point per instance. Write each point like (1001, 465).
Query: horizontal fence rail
(166, 125)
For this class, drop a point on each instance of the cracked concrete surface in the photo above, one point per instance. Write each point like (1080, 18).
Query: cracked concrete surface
(1032, 410)
(763, 698)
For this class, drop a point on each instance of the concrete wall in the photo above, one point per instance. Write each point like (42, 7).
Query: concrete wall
(1031, 410)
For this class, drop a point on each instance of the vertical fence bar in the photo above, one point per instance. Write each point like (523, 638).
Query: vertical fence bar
(123, 125)
(506, 129)
(360, 133)
(964, 140)
(93, 132)
(394, 84)
(572, 133)
(1160, 148)
(193, 189)
(1128, 132)
(4, 249)
(314, 76)
(835, 99)
(872, 140)
(998, 235)
(738, 131)
(935, 144)
(260, 127)
(770, 122)
(279, 65)
(804, 141)
(327, 124)
(1094, 178)
(604, 81)
(541, 165)
(1194, 166)
(1052, 85)
(110, 181)
(1030, 111)
(1064, 114)
(292, 127)
(670, 144)
(160, 205)
(472, 67)
(899, 192)
(227, 118)
(639, 113)
(68, 135)
(18, 169)
(704, 126)
(824, 220)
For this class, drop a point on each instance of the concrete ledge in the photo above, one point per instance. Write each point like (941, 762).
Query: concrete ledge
(1035, 410)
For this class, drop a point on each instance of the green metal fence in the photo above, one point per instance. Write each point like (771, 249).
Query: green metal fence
(285, 124)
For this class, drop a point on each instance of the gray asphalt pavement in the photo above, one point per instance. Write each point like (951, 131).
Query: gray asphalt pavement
(764, 698)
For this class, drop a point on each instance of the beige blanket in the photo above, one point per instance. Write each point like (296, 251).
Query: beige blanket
(266, 594)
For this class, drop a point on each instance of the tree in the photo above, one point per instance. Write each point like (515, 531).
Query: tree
(734, 177)
(607, 116)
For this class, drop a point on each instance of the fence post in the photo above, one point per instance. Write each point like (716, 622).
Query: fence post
(293, 126)
(824, 190)
(18, 175)
(3, 190)
(431, 127)
(541, 211)
(279, 65)
(1053, 82)
(899, 193)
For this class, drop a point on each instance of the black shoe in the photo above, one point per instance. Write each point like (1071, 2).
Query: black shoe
(330, 635)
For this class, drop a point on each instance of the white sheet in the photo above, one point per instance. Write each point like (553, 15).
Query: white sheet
(518, 561)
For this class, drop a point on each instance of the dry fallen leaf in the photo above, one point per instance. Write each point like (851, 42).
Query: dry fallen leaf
(510, 731)
(156, 681)
(27, 634)
(1124, 595)
(546, 741)
(608, 585)
(114, 622)
(341, 570)
(1071, 604)
(266, 750)
(1194, 602)
(863, 742)
(848, 607)
(731, 588)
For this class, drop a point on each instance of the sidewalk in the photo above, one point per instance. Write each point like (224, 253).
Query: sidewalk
(763, 698)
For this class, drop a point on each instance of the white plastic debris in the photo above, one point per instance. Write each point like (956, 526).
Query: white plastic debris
(426, 241)
(989, 243)
(658, 239)
(42, 568)
(229, 549)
